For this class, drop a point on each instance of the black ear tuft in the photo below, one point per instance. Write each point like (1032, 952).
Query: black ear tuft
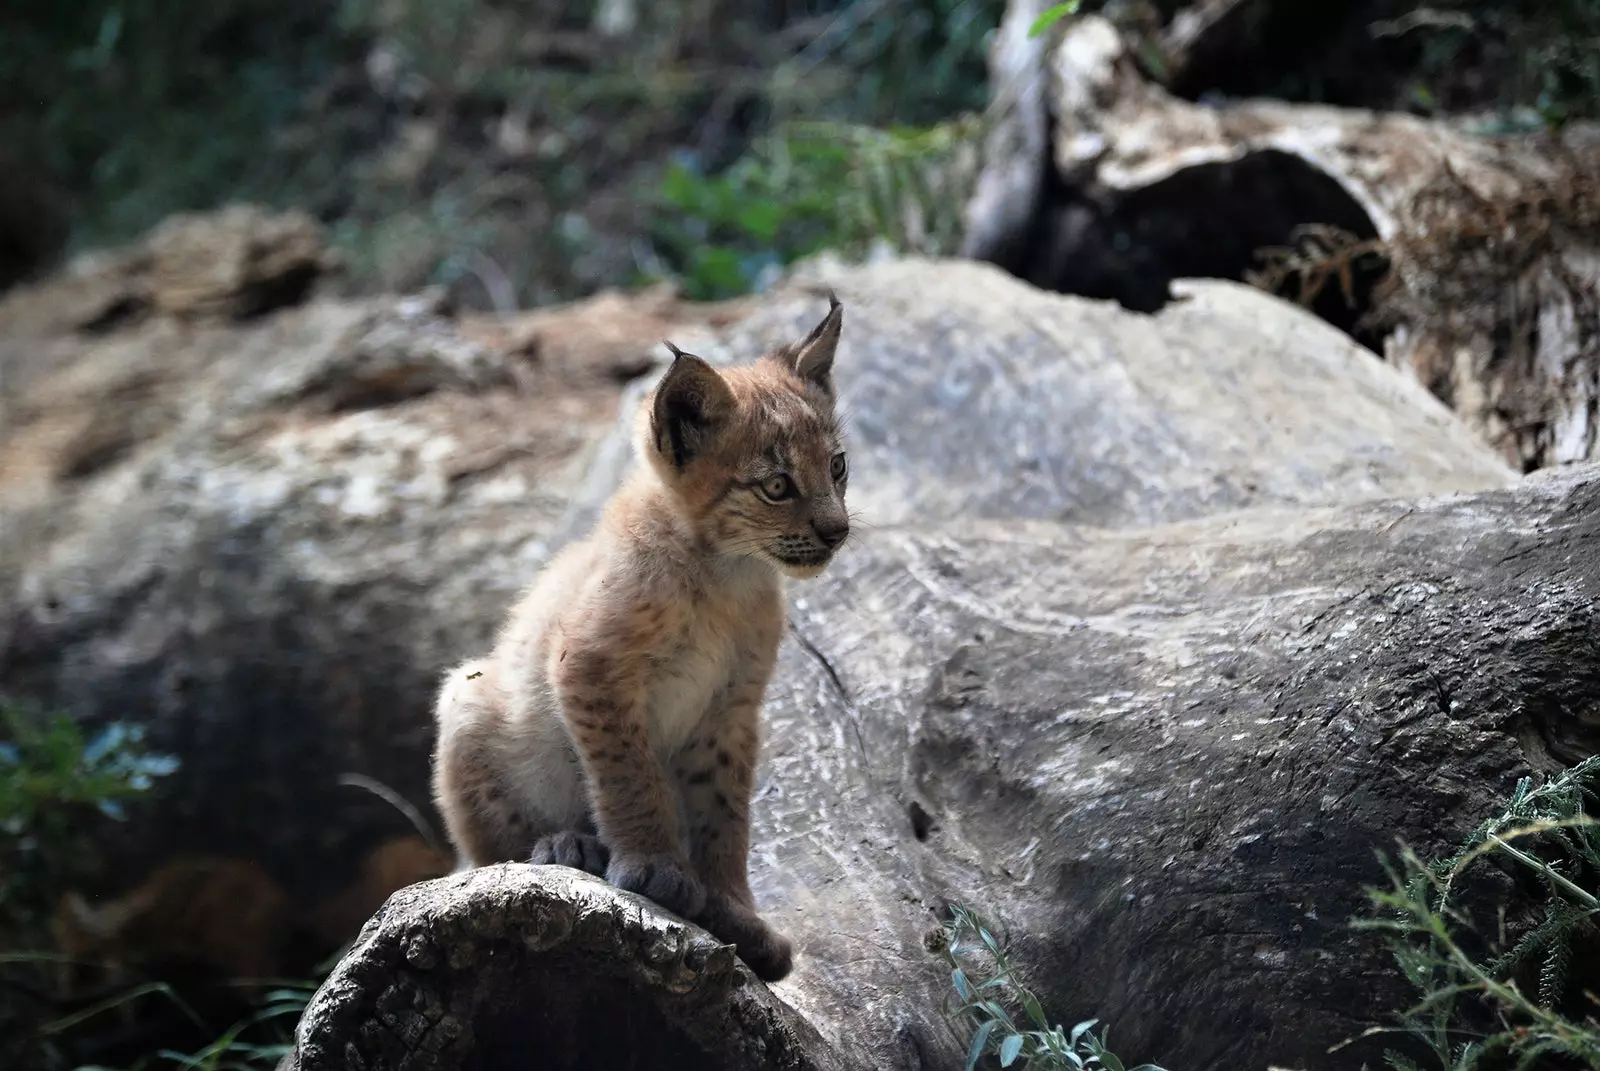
(813, 356)
(691, 403)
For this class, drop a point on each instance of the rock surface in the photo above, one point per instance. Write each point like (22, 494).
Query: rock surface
(1159, 626)
(969, 394)
(264, 538)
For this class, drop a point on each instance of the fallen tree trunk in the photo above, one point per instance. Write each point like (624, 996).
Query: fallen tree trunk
(1493, 301)
(1160, 760)
(516, 966)
(265, 540)
(1117, 628)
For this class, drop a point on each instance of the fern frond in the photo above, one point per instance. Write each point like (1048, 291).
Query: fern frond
(1400, 1062)
(1557, 962)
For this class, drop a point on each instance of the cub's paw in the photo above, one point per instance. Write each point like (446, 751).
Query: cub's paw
(768, 953)
(580, 851)
(663, 878)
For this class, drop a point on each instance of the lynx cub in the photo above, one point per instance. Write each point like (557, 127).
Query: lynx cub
(614, 727)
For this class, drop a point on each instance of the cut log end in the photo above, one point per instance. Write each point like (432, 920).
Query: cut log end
(492, 967)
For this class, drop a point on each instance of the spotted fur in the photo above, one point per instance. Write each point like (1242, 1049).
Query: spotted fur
(614, 727)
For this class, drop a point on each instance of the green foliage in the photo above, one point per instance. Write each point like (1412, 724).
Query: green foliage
(52, 780)
(259, 1040)
(1052, 15)
(451, 139)
(861, 150)
(145, 107)
(811, 186)
(1506, 1001)
(723, 233)
(1006, 1017)
(888, 62)
(58, 785)
(1546, 55)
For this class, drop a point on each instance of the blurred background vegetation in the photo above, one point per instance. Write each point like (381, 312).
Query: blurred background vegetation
(522, 152)
(526, 151)
(542, 148)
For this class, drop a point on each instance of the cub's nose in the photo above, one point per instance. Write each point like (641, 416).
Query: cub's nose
(831, 533)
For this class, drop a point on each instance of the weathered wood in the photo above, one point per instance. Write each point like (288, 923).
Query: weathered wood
(1494, 238)
(1156, 628)
(1159, 759)
(517, 967)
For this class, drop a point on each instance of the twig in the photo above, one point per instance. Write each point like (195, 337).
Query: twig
(397, 801)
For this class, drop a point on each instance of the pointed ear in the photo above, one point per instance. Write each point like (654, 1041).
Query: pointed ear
(813, 355)
(691, 403)
(101, 923)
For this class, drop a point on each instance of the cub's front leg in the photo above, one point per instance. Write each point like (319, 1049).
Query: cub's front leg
(717, 774)
(599, 672)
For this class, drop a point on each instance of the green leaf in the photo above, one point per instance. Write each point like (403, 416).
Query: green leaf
(1009, 1050)
(958, 978)
(760, 219)
(979, 1040)
(716, 272)
(1052, 15)
(1030, 1004)
(996, 1011)
(1082, 1028)
(679, 186)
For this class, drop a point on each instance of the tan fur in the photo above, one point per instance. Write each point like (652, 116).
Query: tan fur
(392, 865)
(225, 914)
(614, 727)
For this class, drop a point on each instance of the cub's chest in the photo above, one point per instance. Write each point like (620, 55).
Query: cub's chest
(684, 681)
(714, 647)
(683, 684)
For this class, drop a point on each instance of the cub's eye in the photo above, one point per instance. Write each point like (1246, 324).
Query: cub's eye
(776, 488)
(839, 467)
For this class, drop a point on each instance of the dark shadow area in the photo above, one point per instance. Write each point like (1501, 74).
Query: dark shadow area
(1320, 52)
(1211, 222)
(603, 1023)
(33, 220)
(1358, 54)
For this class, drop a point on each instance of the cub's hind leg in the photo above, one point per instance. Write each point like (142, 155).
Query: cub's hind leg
(481, 814)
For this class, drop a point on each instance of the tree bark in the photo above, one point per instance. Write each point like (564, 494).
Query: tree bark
(1493, 238)
(1160, 760)
(1156, 628)
(517, 966)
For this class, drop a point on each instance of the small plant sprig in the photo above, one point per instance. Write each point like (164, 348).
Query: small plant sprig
(271, 1026)
(1558, 847)
(53, 776)
(991, 996)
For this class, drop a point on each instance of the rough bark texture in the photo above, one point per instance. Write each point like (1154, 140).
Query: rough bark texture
(515, 967)
(1144, 187)
(1160, 759)
(1158, 626)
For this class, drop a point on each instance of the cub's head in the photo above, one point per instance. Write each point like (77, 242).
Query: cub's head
(753, 453)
